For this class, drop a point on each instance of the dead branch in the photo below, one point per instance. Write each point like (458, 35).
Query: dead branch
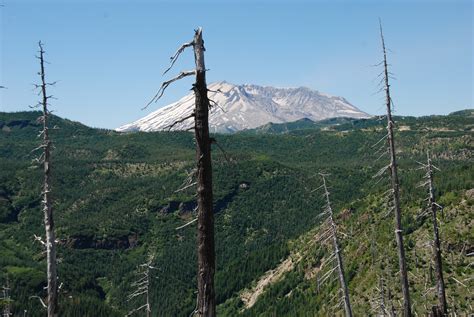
(382, 139)
(187, 224)
(213, 103)
(40, 240)
(185, 187)
(214, 141)
(192, 115)
(40, 299)
(174, 58)
(165, 85)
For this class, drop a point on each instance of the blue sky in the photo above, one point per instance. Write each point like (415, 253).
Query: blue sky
(108, 56)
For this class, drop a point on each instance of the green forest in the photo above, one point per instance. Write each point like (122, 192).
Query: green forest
(116, 205)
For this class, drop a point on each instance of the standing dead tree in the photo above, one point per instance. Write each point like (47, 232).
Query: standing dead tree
(442, 308)
(395, 184)
(142, 288)
(329, 228)
(377, 301)
(382, 303)
(206, 305)
(6, 299)
(45, 160)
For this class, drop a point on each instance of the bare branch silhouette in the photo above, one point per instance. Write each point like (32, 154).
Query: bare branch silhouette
(174, 58)
(165, 85)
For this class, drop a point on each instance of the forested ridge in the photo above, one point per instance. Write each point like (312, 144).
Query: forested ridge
(115, 203)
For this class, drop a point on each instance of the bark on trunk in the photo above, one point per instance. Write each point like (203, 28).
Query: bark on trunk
(47, 208)
(206, 254)
(396, 192)
(443, 306)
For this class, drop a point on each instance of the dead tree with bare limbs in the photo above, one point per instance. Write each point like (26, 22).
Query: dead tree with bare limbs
(45, 160)
(141, 287)
(392, 167)
(206, 305)
(329, 229)
(382, 303)
(442, 308)
(378, 301)
(6, 299)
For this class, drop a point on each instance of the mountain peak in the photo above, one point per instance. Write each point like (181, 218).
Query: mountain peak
(247, 106)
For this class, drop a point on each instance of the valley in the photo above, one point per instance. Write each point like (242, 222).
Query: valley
(117, 203)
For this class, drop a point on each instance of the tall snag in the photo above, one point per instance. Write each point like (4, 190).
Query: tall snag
(329, 229)
(395, 187)
(45, 159)
(442, 308)
(141, 287)
(6, 298)
(206, 305)
(206, 252)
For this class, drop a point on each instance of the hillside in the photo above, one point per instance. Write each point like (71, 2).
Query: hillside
(116, 202)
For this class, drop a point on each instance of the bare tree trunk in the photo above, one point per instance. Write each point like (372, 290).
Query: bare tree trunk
(206, 253)
(383, 307)
(443, 306)
(47, 209)
(340, 267)
(148, 307)
(206, 305)
(393, 312)
(396, 190)
(6, 299)
(342, 280)
(142, 287)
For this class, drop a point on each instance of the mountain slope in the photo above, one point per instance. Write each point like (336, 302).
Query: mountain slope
(116, 203)
(369, 254)
(239, 107)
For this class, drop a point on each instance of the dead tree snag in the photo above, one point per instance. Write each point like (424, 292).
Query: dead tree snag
(395, 187)
(206, 305)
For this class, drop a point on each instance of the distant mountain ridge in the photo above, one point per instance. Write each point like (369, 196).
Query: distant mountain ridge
(302, 124)
(241, 107)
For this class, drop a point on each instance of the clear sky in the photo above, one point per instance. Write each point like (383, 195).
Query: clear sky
(108, 55)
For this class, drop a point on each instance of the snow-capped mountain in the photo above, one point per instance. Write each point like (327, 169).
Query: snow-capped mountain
(239, 107)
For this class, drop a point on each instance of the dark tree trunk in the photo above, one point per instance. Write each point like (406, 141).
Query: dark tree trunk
(443, 306)
(47, 208)
(393, 312)
(206, 253)
(396, 191)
